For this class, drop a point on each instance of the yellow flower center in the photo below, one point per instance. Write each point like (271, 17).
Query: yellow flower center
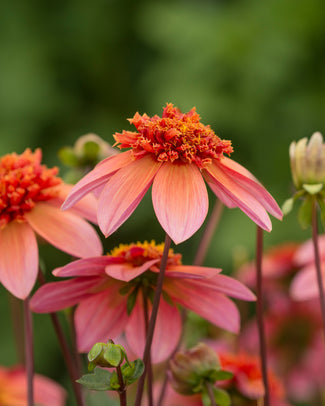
(23, 182)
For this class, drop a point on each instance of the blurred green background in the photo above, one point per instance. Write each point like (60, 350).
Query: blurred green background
(255, 71)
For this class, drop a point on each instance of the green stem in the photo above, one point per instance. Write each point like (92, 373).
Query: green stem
(259, 311)
(317, 261)
(210, 228)
(29, 352)
(153, 318)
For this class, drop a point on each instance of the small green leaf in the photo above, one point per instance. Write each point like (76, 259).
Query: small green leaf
(221, 397)
(305, 212)
(125, 289)
(313, 189)
(113, 355)
(220, 375)
(95, 351)
(99, 380)
(321, 205)
(133, 372)
(288, 206)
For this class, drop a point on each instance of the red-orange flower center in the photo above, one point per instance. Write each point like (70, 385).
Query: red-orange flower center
(174, 137)
(139, 253)
(23, 182)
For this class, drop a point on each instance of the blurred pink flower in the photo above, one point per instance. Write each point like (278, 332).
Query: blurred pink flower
(106, 287)
(173, 153)
(30, 200)
(304, 286)
(13, 389)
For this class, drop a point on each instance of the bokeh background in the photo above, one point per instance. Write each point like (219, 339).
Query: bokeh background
(254, 70)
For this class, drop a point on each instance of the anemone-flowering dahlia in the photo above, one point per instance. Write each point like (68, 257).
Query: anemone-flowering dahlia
(171, 153)
(30, 198)
(109, 292)
(13, 389)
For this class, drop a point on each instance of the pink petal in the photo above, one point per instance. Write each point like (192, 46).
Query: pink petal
(66, 231)
(18, 258)
(206, 302)
(86, 207)
(180, 200)
(305, 253)
(304, 285)
(248, 181)
(187, 271)
(55, 296)
(165, 338)
(100, 318)
(123, 193)
(225, 284)
(97, 177)
(126, 272)
(218, 179)
(86, 267)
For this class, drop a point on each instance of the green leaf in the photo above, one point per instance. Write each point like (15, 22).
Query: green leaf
(313, 189)
(221, 397)
(95, 351)
(131, 301)
(113, 355)
(133, 372)
(220, 375)
(287, 206)
(99, 380)
(321, 205)
(305, 212)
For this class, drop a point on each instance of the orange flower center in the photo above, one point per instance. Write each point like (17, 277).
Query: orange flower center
(174, 137)
(139, 253)
(23, 182)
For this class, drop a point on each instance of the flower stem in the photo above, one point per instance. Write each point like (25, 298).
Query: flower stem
(208, 233)
(153, 318)
(149, 366)
(317, 262)
(259, 311)
(69, 361)
(210, 393)
(122, 388)
(29, 352)
(17, 318)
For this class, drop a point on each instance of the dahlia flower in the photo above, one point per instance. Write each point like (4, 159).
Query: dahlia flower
(109, 292)
(13, 389)
(173, 153)
(30, 198)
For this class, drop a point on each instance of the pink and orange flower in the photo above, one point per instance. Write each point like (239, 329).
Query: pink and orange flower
(30, 198)
(13, 389)
(173, 153)
(110, 291)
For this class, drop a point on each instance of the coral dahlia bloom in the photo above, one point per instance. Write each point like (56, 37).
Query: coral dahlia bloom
(173, 153)
(13, 389)
(109, 292)
(30, 198)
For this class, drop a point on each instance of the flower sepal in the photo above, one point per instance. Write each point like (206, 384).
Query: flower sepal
(221, 397)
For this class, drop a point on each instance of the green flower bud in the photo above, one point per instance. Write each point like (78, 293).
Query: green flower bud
(308, 163)
(105, 355)
(189, 370)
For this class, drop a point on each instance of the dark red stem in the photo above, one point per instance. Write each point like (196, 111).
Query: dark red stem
(29, 352)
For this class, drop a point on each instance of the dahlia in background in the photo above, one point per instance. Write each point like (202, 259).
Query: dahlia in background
(30, 198)
(173, 153)
(110, 292)
(13, 389)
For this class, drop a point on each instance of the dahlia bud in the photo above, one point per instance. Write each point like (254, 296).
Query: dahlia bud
(189, 370)
(308, 163)
(105, 355)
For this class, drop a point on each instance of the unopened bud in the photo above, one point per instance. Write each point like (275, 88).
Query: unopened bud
(105, 355)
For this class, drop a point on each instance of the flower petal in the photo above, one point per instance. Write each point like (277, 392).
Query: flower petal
(86, 207)
(66, 231)
(213, 306)
(306, 254)
(165, 339)
(180, 200)
(97, 177)
(247, 202)
(55, 296)
(18, 258)
(188, 271)
(123, 193)
(86, 267)
(100, 318)
(248, 181)
(126, 272)
(304, 285)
